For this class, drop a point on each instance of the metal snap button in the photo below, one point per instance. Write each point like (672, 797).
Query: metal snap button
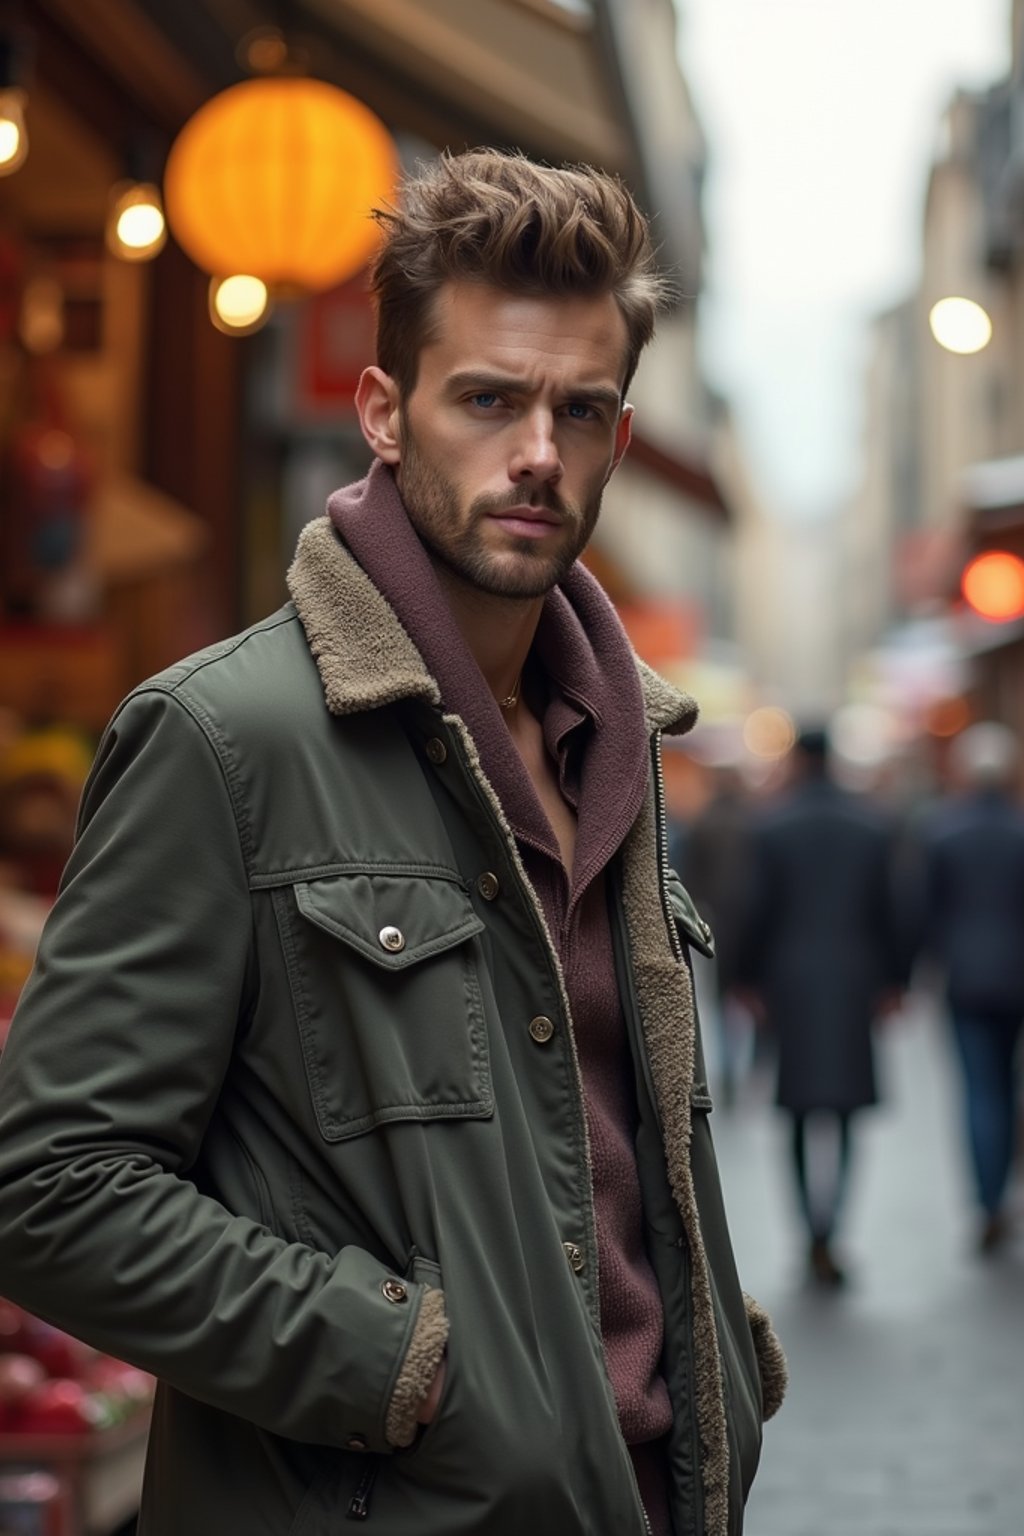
(574, 1253)
(488, 885)
(541, 1029)
(394, 1290)
(356, 1443)
(436, 750)
(392, 939)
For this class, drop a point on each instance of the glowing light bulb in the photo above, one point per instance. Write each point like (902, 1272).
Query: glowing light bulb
(136, 228)
(960, 325)
(13, 133)
(239, 304)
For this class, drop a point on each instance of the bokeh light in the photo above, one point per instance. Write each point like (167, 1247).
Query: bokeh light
(993, 585)
(136, 227)
(769, 732)
(960, 325)
(239, 305)
(13, 133)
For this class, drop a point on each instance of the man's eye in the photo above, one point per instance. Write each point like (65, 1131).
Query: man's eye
(485, 399)
(578, 410)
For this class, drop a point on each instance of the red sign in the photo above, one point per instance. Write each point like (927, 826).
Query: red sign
(336, 342)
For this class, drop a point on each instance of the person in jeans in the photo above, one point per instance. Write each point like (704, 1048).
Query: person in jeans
(973, 929)
(358, 1091)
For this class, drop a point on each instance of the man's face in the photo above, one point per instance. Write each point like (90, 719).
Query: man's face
(510, 435)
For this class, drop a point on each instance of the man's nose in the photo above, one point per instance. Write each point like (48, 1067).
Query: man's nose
(536, 455)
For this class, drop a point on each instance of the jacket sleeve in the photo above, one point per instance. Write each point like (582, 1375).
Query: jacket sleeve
(116, 1058)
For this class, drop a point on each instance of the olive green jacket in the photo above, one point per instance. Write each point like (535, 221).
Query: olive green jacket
(274, 1126)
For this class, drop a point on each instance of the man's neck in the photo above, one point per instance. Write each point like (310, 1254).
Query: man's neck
(498, 630)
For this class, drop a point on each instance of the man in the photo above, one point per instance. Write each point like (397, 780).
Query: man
(824, 957)
(358, 1094)
(973, 920)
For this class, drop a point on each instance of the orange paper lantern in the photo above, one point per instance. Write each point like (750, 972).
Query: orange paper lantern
(276, 177)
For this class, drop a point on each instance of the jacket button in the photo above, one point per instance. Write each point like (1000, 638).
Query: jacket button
(392, 939)
(356, 1443)
(541, 1029)
(436, 750)
(574, 1253)
(488, 885)
(394, 1290)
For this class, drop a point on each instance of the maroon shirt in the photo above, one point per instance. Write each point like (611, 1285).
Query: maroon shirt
(594, 730)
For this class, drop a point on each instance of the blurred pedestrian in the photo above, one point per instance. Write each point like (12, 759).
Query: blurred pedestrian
(357, 1091)
(714, 865)
(973, 928)
(820, 950)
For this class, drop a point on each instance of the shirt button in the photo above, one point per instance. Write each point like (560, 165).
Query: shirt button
(394, 1290)
(541, 1029)
(392, 939)
(356, 1443)
(436, 750)
(574, 1253)
(488, 885)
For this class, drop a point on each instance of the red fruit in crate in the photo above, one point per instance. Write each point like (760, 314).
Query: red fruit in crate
(119, 1379)
(57, 1351)
(59, 1407)
(13, 1323)
(19, 1375)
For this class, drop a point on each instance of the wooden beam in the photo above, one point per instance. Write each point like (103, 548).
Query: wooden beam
(135, 53)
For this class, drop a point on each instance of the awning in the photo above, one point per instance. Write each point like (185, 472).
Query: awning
(992, 494)
(684, 471)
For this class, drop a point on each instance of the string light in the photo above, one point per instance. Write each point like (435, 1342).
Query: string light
(136, 227)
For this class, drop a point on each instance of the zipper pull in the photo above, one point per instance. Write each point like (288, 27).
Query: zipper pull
(359, 1504)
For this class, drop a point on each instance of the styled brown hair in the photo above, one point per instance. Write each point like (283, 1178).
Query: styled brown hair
(499, 218)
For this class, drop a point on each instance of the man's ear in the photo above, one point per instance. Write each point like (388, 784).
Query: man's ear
(623, 433)
(377, 403)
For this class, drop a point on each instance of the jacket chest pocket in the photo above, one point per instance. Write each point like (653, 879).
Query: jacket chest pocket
(386, 998)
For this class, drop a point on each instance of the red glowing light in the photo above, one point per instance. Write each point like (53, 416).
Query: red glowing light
(993, 585)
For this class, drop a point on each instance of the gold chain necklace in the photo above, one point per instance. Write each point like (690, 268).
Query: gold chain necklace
(512, 699)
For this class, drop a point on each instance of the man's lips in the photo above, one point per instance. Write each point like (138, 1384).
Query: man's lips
(527, 522)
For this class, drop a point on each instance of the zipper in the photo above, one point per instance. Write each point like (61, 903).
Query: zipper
(648, 1527)
(662, 825)
(359, 1503)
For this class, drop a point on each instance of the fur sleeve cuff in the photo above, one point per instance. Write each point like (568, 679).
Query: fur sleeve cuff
(419, 1368)
(771, 1362)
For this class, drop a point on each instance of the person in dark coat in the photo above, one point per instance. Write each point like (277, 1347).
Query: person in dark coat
(714, 864)
(974, 929)
(820, 951)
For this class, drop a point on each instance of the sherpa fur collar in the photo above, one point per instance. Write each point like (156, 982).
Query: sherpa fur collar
(366, 659)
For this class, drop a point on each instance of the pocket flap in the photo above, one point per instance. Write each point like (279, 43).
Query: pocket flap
(392, 919)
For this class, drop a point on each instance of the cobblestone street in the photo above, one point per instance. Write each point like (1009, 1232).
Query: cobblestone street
(905, 1414)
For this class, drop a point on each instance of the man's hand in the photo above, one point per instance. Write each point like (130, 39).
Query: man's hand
(428, 1408)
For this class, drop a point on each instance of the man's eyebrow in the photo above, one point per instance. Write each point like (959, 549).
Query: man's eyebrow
(499, 384)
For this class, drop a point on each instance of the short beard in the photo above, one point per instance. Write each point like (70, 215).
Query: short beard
(431, 502)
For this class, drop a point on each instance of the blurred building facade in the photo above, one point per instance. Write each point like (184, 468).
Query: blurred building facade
(199, 453)
(943, 460)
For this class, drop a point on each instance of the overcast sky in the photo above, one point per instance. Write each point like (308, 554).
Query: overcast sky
(821, 117)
